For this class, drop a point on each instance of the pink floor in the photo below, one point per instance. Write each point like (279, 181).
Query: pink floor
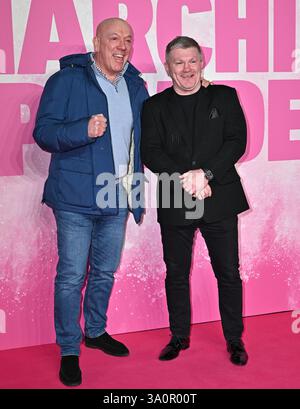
(274, 361)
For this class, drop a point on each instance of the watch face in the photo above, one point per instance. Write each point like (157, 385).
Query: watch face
(209, 175)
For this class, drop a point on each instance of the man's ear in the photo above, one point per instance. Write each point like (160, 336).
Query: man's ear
(96, 43)
(167, 68)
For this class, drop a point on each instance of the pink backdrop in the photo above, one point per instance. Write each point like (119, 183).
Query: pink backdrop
(250, 44)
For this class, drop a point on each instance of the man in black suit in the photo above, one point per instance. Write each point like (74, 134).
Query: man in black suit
(196, 134)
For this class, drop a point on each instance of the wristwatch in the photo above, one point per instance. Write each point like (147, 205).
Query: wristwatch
(208, 174)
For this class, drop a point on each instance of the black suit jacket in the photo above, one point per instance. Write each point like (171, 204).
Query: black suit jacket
(219, 141)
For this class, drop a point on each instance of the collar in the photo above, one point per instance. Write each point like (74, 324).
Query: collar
(99, 71)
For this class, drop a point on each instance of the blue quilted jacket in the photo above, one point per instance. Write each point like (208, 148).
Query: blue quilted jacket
(70, 97)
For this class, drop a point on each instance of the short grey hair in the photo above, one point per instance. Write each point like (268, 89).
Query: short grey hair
(183, 42)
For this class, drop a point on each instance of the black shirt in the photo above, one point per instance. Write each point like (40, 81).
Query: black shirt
(188, 105)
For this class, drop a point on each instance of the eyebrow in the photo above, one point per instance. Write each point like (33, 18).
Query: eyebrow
(181, 60)
(111, 34)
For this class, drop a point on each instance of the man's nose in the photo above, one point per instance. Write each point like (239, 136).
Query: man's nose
(122, 45)
(186, 67)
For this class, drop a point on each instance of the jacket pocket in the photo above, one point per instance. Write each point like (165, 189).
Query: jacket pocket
(76, 165)
(75, 183)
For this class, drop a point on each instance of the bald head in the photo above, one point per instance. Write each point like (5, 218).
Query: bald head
(109, 23)
(112, 45)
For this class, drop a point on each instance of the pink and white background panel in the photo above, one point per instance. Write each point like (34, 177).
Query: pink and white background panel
(253, 45)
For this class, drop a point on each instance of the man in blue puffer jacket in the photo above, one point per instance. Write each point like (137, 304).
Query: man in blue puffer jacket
(89, 120)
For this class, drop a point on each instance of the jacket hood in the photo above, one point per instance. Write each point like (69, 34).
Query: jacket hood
(84, 60)
(79, 60)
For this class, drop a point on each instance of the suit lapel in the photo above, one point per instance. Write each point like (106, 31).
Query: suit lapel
(202, 110)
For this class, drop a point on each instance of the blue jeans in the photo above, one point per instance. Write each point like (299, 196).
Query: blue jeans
(84, 240)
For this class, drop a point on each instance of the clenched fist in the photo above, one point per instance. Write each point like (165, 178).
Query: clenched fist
(97, 126)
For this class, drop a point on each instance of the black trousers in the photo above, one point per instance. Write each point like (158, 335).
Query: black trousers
(221, 239)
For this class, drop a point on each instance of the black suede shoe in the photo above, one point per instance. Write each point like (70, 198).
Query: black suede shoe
(238, 354)
(107, 344)
(171, 351)
(70, 373)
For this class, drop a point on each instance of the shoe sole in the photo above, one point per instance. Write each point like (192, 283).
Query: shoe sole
(67, 383)
(107, 351)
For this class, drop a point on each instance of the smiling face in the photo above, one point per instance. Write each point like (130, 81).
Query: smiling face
(184, 66)
(112, 45)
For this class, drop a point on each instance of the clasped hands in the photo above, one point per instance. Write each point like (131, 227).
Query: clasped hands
(195, 183)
